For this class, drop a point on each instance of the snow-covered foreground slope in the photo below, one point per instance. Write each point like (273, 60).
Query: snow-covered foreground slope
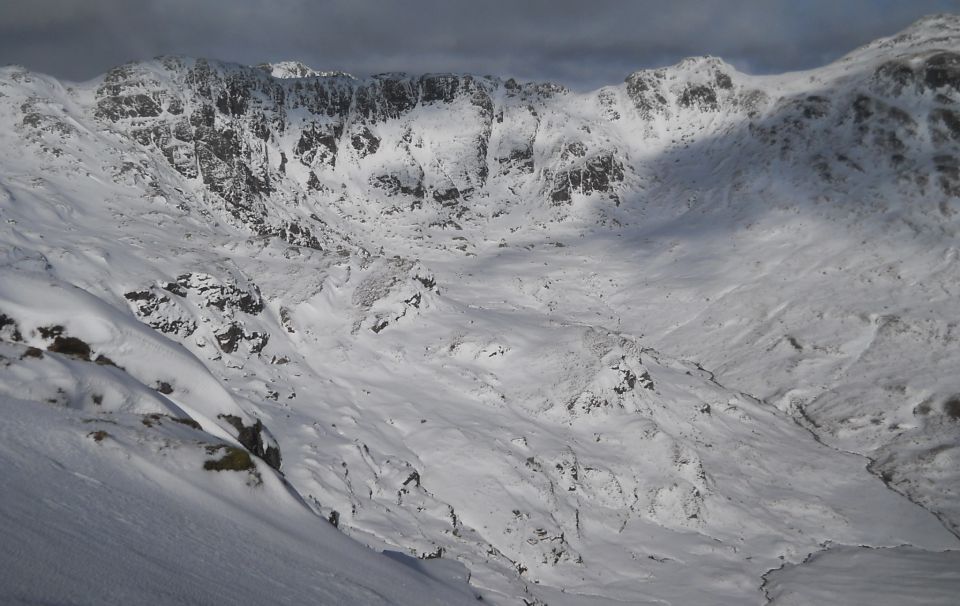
(117, 509)
(641, 345)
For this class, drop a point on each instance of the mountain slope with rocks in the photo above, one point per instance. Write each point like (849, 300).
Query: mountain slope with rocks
(645, 344)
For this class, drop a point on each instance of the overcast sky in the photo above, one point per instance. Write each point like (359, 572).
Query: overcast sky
(581, 44)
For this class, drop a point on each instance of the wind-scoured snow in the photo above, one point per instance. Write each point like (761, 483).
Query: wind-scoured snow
(640, 345)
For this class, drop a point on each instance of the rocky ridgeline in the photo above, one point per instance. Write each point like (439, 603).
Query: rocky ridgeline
(699, 84)
(900, 118)
(896, 116)
(275, 154)
(268, 148)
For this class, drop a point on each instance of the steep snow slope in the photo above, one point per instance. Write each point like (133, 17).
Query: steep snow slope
(638, 345)
(111, 509)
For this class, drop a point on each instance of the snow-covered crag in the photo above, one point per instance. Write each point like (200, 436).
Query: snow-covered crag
(639, 345)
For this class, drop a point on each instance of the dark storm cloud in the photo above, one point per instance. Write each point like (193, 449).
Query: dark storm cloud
(582, 44)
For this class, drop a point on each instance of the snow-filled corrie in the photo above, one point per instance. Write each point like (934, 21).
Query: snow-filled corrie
(655, 343)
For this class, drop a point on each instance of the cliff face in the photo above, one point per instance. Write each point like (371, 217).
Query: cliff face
(458, 148)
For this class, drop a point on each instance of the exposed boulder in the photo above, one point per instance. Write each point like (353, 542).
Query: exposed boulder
(159, 311)
(318, 145)
(598, 174)
(365, 142)
(942, 70)
(252, 438)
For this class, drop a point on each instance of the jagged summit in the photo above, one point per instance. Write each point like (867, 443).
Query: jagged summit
(296, 69)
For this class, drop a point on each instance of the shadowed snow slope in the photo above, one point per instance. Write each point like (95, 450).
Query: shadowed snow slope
(639, 345)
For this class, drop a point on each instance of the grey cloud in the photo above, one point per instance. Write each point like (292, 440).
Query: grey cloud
(582, 44)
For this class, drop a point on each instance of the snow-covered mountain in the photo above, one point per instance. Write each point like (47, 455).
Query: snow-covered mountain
(645, 344)
(296, 69)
